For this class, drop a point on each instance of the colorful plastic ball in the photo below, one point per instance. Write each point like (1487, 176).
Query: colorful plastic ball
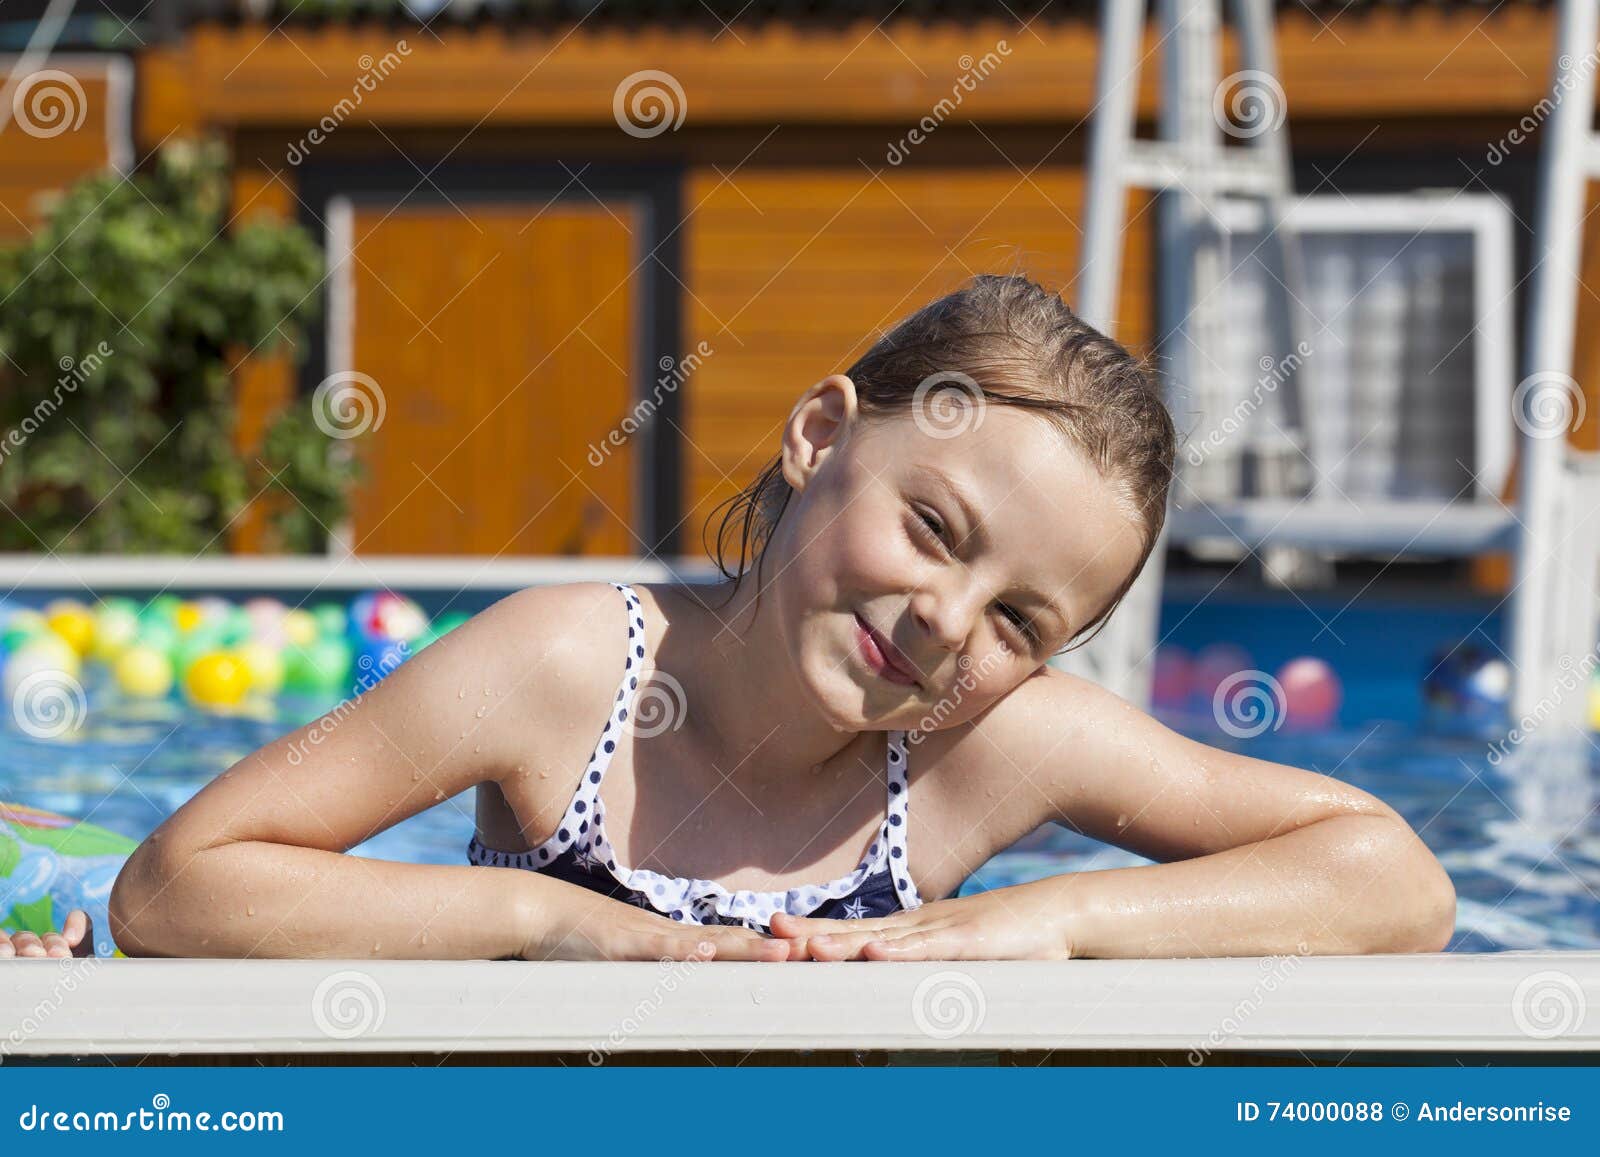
(75, 624)
(376, 660)
(217, 679)
(321, 666)
(158, 635)
(116, 628)
(449, 622)
(143, 673)
(44, 654)
(195, 645)
(264, 614)
(1465, 687)
(384, 616)
(1171, 678)
(300, 628)
(22, 626)
(1311, 692)
(235, 626)
(163, 607)
(187, 617)
(52, 650)
(1594, 702)
(331, 618)
(266, 667)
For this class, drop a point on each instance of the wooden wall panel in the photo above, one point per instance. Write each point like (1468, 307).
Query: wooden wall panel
(793, 274)
(57, 135)
(501, 337)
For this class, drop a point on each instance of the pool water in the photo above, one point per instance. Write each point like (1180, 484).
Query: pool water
(1519, 834)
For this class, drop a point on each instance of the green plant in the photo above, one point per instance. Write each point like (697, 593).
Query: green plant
(120, 320)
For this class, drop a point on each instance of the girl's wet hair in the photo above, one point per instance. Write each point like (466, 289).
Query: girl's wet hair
(1022, 346)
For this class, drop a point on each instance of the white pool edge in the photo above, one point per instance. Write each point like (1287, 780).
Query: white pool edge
(1537, 1002)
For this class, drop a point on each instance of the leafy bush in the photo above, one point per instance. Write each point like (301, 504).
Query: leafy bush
(119, 321)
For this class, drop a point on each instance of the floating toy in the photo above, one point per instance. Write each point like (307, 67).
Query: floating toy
(143, 673)
(1311, 692)
(50, 864)
(385, 617)
(1465, 688)
(218, 679)
(320, 667)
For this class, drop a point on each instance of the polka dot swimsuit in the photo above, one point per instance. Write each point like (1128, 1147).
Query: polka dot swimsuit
(580, 853)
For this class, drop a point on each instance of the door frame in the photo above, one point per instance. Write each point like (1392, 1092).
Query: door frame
(655, 190)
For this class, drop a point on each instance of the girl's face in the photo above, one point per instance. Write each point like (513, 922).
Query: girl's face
(922, 574)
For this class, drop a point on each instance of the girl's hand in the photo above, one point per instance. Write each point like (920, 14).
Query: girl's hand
(1022, 922)
(76, 938)
(589, 926)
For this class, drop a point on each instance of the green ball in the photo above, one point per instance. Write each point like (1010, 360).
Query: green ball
(120, 605)
(203, 640)
(236, 627)
(158, 635)
(23, 625)
(444, 624)
(320, 666)
(162, 608)
(331, 619)
(428, 635)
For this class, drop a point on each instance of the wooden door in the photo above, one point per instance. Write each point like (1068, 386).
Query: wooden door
(501, 337)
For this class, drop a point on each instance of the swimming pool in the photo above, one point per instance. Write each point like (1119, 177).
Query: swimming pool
(1519, 836)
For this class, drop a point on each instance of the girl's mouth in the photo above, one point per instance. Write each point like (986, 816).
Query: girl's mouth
(881, 657)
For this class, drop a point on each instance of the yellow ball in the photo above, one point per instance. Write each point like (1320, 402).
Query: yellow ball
(300, 627)
(55, 652)
(265, 665)
(115, 630)
(187, 617)
(143, 673)
(217, 679)
(1594, 703)
(75, 625)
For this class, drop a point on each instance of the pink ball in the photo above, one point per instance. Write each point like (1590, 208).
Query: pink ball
(1215, 663)
(1172, 677)
(1311, 691)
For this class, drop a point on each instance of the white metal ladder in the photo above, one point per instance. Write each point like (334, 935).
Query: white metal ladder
(1556, 599)
(1191, 160)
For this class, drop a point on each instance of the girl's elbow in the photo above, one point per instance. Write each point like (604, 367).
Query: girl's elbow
(145, 894)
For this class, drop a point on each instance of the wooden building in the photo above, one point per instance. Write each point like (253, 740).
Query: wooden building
(551, 220)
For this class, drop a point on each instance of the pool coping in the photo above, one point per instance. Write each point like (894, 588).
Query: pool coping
(1524, 1002)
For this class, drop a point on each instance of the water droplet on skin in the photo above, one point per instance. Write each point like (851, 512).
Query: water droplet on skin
(477, 748)
(424, 937)
(1122, 821)
(250, 910)
(461, 694)
(375, 949)
(205, 941)
(544, 775)
(415, 776)
(438, 795)
(482, 711)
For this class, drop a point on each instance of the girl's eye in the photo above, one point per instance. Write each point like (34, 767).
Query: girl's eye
(1020, 623)
(931, 528)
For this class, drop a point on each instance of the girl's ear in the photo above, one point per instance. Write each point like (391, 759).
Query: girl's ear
(819, 421)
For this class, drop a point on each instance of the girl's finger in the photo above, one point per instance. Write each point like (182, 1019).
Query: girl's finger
(75, 928)
(6, 950)
(27, 944)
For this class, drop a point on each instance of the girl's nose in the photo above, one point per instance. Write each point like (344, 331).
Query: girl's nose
(945, 615)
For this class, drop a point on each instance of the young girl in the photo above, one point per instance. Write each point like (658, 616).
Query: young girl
(730, 770)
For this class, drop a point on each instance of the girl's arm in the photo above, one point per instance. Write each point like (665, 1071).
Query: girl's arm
(254, 864)
(1255, 858)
